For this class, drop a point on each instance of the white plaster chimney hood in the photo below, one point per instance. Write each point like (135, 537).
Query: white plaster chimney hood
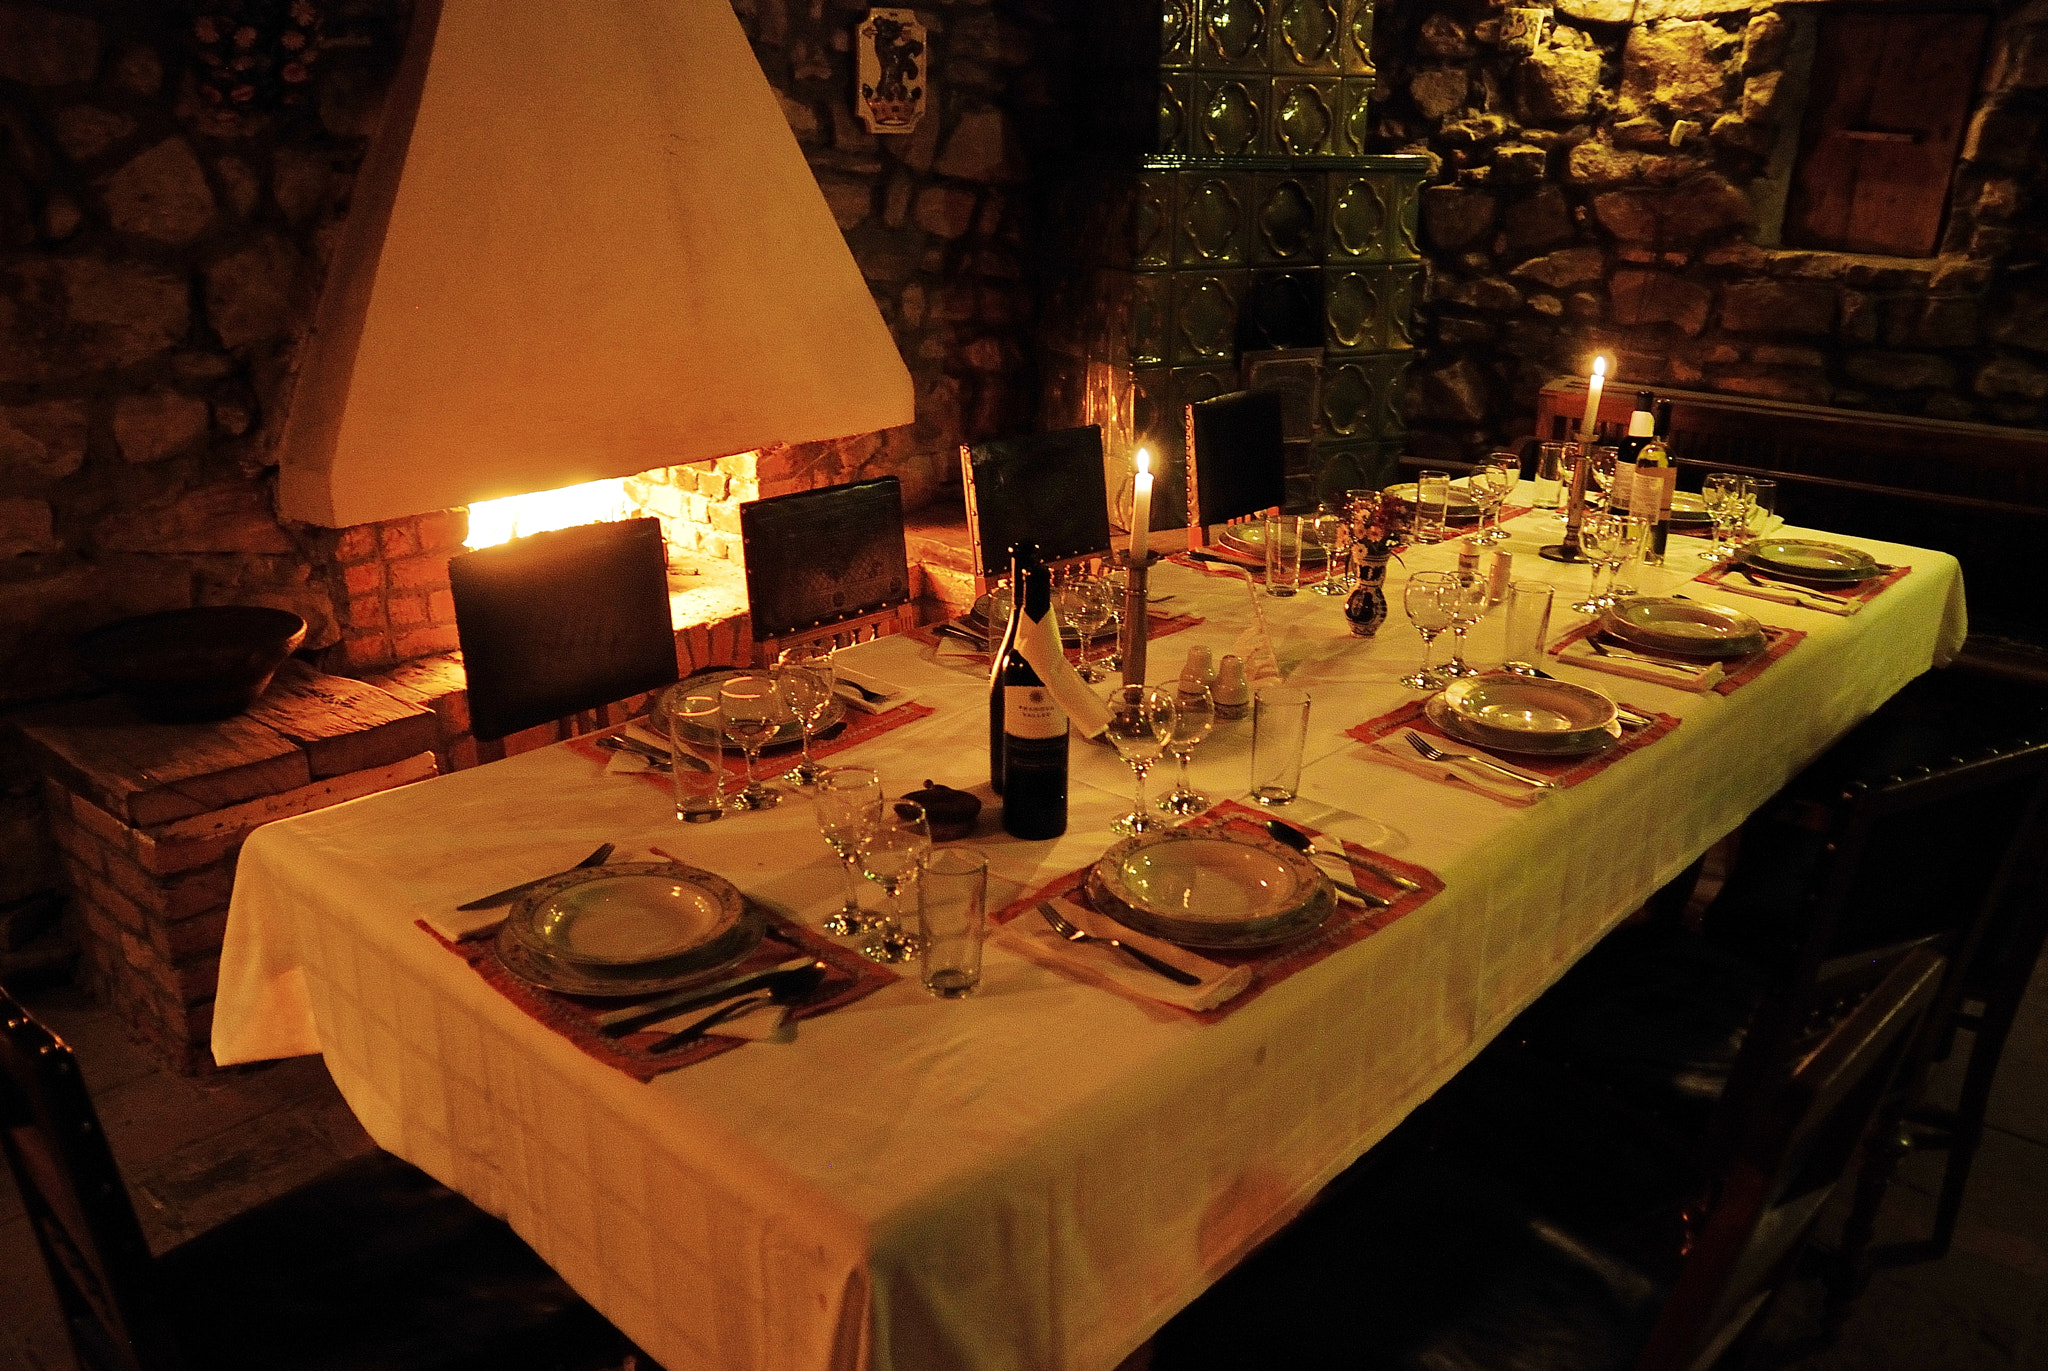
(583, 243)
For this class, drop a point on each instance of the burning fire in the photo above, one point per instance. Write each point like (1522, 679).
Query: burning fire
(498, 521)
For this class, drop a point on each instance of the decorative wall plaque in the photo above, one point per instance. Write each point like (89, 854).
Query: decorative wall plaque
(889, 50)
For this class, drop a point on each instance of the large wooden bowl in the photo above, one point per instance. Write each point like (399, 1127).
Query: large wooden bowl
(188, 666)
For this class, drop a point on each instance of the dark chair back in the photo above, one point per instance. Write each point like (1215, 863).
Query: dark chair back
(1794, 1145)
(77, 1205)
(555, 623)
(824, 558)
(1237, 461)
(1045, 488)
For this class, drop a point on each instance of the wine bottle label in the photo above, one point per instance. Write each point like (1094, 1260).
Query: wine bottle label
(1031, 712)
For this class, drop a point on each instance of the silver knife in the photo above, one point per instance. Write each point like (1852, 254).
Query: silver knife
(513, 892)
(616, 1023)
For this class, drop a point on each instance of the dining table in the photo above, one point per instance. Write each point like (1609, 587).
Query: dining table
(1040, 1174)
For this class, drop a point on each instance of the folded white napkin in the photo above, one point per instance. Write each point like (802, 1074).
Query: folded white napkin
(1395, 750)
(769, 1023)
(1791, 595)
(891, 693)
(1695, 679)
(1094, 961)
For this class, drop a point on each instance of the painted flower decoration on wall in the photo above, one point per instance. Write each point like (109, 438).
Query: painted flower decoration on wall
(257, 54)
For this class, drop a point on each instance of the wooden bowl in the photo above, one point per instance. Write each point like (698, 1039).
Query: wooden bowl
(188, 666)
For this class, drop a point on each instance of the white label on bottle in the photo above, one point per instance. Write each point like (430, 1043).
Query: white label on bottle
(1031, 712)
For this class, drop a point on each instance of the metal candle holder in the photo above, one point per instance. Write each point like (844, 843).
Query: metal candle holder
(1133, 644)
(1574, 511)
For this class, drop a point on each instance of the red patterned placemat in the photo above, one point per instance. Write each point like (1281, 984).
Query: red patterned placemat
(1780, 641)
(1862, 591)
(1565, 771)
(1157, 626)
(1270, 965)
(853, 977)
(854, 729)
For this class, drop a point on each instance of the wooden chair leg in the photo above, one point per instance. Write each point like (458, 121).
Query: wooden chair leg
(1966, 1132)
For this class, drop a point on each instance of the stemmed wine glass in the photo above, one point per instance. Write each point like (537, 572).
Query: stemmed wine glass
(751, 705)
(1431, 615)
(1599, 476)
(806, 679)
(1721, 493)
(1599, 536)
(1465, 598)
(891, 850)
(1507, 467)
(1332, 533)
(1083, 606)
(849, 801)
(1194, 715)
(1140, 722)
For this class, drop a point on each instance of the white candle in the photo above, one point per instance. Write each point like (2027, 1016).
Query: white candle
(1141, 510)
(1590, 427)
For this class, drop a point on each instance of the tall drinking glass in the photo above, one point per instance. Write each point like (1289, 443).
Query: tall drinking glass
(753, 707)
(892, 851)
(1550, 476)
(1279, 733)
(1759, 505)
(806, 679)
(696, 728)
(952, 902)
(1140, 722)
(1283, 554)
(1432, 505)
(848, 802)
(1429, 611)
(1194, 715)
(1528, 626)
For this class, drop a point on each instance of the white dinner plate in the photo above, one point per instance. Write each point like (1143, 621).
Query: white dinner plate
(1250, 538)
(1210, 887)
(1526, 745)
(626, 916)
(1521, 708)
(1811, 560)
(1461, 504)
(1685, 628)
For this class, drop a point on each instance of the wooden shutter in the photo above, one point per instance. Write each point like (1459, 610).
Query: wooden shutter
(1891, 93)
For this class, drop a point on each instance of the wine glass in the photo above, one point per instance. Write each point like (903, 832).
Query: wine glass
(1465, 598)
(1194, 715)
(1488, 492)
(806, 679)
(1115, 585)
(1599, 476)
(1431, 615)
(891, 850)
(1084, 607)
(1507, 467)
(848, 802)
(1721, 493)
(1599, 535)
(1140, 722)
(752, 704)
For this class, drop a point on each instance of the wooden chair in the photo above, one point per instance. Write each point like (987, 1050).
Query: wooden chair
(371, 1266)
(1045, 488)
(559, 623)
(1236, 459)
(1430, 1256)
(829, 563)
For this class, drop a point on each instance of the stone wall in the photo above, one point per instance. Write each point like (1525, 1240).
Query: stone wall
(1603, 193)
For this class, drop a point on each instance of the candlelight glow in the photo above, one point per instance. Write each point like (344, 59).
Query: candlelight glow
(1144, 462)
(498, 521)
(1599, 366)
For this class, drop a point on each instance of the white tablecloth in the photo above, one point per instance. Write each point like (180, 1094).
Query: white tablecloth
(1038, 1176)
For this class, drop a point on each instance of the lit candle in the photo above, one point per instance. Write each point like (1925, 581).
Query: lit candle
(1141, 509)
(1594, 384)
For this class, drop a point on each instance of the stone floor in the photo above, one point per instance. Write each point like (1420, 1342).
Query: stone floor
(197, 1151)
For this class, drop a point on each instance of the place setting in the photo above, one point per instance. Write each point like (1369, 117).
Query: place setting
(1805, 573)
(1676, 641)
(651, 965)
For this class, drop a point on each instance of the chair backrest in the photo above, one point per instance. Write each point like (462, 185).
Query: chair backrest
(1045, 488)
(818, 560)
(1237, 464)
(1796, 1142)
(559, 622)
(98, 1260)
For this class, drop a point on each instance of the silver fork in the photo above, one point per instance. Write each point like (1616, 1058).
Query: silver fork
(1075, 935)
(1437, 754)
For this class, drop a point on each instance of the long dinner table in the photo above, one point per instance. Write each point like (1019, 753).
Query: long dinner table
(1041, 1174)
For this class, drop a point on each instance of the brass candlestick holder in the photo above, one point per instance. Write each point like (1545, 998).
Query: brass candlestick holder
(1132, 644)
(1574, 510)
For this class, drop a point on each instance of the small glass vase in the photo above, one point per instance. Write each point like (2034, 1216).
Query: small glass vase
(1367, 606)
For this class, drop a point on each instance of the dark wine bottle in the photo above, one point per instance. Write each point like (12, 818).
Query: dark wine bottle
(1656, 481)
(1022, 557)
(1034, 726)
(1641, 423)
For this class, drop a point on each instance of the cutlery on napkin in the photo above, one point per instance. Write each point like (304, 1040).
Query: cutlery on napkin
(482, 915)
(1780, 593)
(1395, 751)
(1622, 662)
(869, 694)
(1216, 984)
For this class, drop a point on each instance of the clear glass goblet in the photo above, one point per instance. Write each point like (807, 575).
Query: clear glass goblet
(1194, 715)
(1465, 598)
(753, 707)
(891, 852)
(848, 803)
(1140, 721)
(807, 680)
(1599, 536)
(1083, 606)
(1507, 469)
(1430, 612)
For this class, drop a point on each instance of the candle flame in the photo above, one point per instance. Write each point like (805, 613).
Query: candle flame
(1144, 462)
(1599, 366)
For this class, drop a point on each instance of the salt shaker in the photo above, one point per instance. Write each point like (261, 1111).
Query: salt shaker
(1232, 693)
(1498, 575)
(1200, 668)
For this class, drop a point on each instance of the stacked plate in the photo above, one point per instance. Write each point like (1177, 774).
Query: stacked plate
(1213, 888)
(1526, 714)
(1805, 559)
(636, 928)
(1250, 538)
(787, 729)
(1670, 627)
